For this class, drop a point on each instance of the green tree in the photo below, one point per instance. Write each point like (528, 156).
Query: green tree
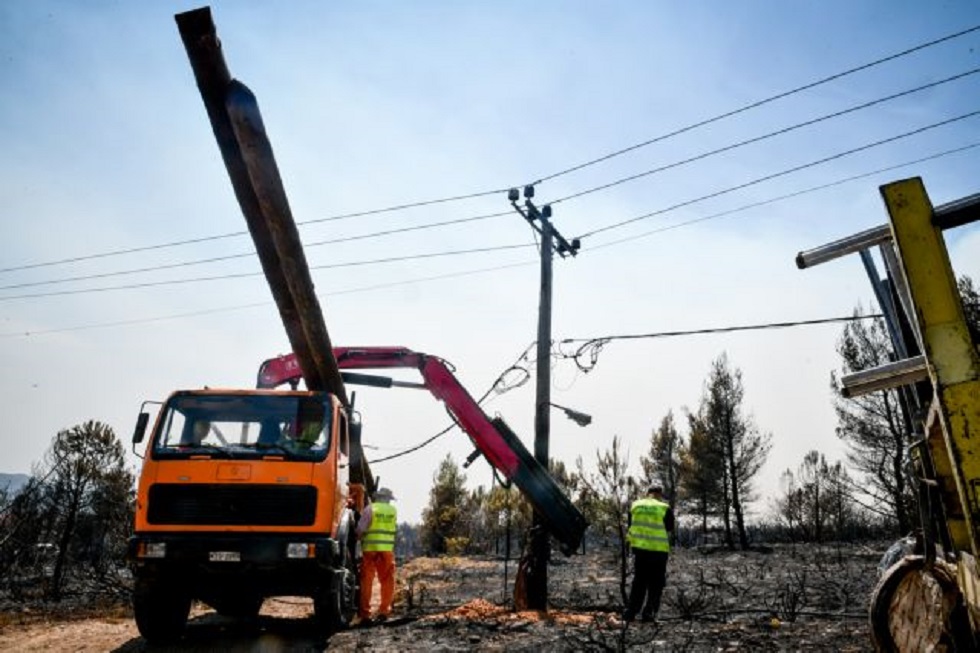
(446, 521)
(663, 463)
(88, 486)
(507, 513)
(701, 486)
(735, 438)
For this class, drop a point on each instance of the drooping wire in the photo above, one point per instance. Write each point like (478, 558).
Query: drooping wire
(592, 347)
(498, 387)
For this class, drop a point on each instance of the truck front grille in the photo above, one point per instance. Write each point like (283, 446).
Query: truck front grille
(231, 505)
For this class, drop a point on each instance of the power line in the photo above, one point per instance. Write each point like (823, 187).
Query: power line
(596, 345)
(492, 215)
(837, 182)
(234, 234)
(493, 386)
(757, 139)
(227, 309)
(230, 257)
(781, 173)
(593, 346)
(787, 196)
(242, 275)
(430, 202)
(760, 103)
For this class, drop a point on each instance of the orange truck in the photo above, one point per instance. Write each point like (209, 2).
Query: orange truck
(243, 494)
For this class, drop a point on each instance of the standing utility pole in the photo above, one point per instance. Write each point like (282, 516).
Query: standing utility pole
(533, 570)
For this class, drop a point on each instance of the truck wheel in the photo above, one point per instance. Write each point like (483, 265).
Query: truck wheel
(161, 610)
(335, 604)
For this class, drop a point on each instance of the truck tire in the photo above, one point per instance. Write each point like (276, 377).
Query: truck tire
(161, 610)
(335, 604)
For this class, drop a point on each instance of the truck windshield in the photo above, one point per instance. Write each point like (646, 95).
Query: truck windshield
(244, 426)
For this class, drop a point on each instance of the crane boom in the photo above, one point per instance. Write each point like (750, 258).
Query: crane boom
(494, 439)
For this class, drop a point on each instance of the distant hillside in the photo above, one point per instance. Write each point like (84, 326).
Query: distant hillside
(13, 482)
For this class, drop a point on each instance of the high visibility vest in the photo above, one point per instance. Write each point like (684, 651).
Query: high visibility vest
(647, 530)
(380, 535)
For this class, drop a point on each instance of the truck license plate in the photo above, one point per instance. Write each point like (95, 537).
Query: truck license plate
(225, 556)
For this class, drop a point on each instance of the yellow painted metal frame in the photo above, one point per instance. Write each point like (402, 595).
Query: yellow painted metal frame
(953, 423)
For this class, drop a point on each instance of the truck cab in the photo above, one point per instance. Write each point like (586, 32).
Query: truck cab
(243, 495)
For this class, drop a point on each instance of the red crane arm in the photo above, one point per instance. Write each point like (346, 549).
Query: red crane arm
(499, 445)
(439, 380)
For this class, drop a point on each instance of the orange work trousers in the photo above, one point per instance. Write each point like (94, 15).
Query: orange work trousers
(382, 565)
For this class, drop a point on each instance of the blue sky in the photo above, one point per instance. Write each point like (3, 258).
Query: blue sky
(107, 147)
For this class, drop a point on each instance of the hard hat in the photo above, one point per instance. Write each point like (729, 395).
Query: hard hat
(384, 494)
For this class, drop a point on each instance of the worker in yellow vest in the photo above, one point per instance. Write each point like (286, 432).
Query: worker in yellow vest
(376, 530)
(651, 521)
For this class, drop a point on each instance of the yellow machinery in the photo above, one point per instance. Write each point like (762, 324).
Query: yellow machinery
(929, 600)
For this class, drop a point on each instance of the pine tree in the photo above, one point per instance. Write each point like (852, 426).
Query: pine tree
(446, 521)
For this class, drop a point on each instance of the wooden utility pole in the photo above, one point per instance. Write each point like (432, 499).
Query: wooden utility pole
(248, 157)
(533, 570)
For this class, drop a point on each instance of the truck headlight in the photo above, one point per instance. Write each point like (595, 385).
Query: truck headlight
(152, 550)
(300, 550)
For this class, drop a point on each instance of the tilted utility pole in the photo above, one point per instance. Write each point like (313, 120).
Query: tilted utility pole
(531, 587)
(251, 165)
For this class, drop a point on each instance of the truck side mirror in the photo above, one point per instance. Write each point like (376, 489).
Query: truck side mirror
(140, 431)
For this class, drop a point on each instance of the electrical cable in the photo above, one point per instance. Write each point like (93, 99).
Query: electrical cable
(493, 388)
(760, 103)
(780, 198)
(593, 346)
(598, 343)
(669, 166)
(242, 275)
(781, 173)
(250, 254)
(757, 139)
(581, 237)
(226, 309)
(496, 268)
(422, 203)
(234, 234)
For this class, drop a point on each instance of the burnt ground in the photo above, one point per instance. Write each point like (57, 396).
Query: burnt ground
(802, 598)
